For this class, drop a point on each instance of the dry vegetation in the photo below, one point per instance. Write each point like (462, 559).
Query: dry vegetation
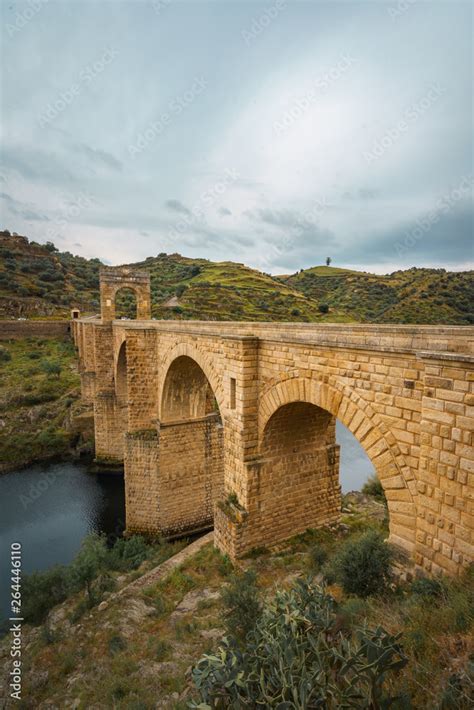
(138, 651)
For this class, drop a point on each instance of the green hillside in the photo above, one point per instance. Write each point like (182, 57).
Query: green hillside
(411, 296)
(39, 281)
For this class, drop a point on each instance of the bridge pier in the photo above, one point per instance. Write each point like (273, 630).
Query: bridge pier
(174, 476)
(292, 486)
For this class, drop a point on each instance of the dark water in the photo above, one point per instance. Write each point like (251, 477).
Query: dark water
(50, 509)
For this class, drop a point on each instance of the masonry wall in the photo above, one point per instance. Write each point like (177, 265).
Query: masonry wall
(14, 329)
(296, 486)
(191, 473)
(410, 408)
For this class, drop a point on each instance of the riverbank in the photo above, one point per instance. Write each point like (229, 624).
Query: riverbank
(137, 648)
(41, 418)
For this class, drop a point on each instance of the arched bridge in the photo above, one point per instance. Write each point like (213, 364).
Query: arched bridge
(232, 424)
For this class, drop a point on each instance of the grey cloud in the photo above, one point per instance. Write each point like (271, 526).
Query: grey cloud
(19, 209)
(37, 165)
(177, 206)
(98, 156)
(449, 240)
(224, 212)
(363, 193)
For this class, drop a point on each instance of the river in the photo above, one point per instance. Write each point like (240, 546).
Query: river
(50, 508)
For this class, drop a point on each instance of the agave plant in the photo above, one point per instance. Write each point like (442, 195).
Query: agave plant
(297, 658)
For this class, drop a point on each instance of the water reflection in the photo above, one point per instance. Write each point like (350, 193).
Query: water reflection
(50, 509)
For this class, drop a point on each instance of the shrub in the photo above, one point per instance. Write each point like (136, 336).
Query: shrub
(428, 587)
(363, 565)
(88, 564)
(317, 556)
(43, 590)
(5, 356)
(51, 368)
(297, 658)
(242, 604)
(128, 553)
(323, 308)
(373, 487)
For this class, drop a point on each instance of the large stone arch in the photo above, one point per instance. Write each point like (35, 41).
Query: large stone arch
(203, 361)
(371, 432)
(112, 280)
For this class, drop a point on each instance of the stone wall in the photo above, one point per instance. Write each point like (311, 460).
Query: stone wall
(15, 329)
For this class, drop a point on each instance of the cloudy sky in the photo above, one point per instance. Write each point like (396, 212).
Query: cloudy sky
(274, 133)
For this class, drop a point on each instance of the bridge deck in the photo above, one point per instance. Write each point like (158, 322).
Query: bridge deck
(423, 339)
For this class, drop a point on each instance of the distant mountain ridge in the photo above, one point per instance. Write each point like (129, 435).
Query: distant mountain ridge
(39, 281)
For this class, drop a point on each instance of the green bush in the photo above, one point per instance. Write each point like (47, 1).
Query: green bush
(51, 368)
(128, 553)
(362, 566)
(88, 564)
(43, 590)
(241, 599)
(317, 557)
(298, 658)
(428, 588)
(373, 487)
(5, 356)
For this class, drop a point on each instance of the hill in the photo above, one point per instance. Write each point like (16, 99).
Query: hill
(38, 280)
(416, 295)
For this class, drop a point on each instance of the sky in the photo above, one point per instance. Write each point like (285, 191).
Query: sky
(274, 134)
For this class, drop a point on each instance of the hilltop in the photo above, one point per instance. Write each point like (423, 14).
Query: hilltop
(38, 280)
(416, 295)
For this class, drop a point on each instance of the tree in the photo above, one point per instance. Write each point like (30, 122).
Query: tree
(328, 260)
(90, 561)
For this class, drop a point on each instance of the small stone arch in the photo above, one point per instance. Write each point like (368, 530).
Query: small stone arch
(113, 280)
(367, 427)
(203, 361)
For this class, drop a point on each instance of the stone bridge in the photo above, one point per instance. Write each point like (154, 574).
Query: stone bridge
(232, 424)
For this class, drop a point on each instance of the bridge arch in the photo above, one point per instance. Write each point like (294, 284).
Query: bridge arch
(191, 436)
(115, 279)
(366, 426)
(121, 376)
(202, 361)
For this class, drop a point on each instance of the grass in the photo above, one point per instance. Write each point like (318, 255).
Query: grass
(39, 383)
(113, 657)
